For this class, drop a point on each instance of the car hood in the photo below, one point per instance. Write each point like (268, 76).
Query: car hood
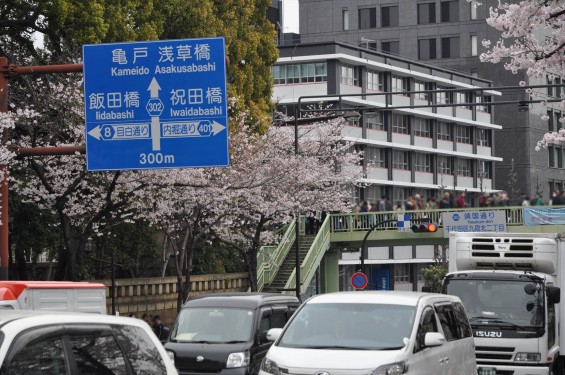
(332, 358)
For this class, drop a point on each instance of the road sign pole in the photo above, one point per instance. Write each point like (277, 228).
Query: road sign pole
(4, 232)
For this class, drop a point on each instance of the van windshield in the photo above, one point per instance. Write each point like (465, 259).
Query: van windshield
(213, 325)
(351, 326)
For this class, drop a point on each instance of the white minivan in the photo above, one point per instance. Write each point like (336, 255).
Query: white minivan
(374, 333)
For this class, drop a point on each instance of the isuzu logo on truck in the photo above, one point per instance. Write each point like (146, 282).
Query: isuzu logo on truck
(488, 334)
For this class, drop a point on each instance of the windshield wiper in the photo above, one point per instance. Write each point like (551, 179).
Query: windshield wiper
(234, 342)
(496, 320)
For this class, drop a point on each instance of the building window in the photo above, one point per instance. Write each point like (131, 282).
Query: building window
(296, 73)
(463, 98)
(444, 131)
(292, 74)
(484, 137)
(345, 14)
(483, 99)
(400, 160)
(422, 162)
(279, 75)
(558, 124)
(422, 86)
(554, 91)
(399, 85)
(474, 46)
(559, 152)
(375, 81)
(400, 123)
(426, 13)
(463, 134)
(349, 75)
(402, 272)
(307, 73)
(427, 49)
(444, 165)
(473, 9)
(551, 152)
(389, 16)
(421, 127)
(375, 157)
(374, 121)
(463, 167)
(367, 18)
(485, 170)
(450, 47)
(392, 46)
(443, 97)
(449, 11)
(550, 126)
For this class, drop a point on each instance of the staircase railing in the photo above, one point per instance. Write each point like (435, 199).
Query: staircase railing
(270, 258)
(312, 260)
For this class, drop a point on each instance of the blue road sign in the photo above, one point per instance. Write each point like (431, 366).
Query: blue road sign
(159, 104)
(359, 280)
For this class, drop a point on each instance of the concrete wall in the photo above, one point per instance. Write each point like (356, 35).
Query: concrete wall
(158, 295)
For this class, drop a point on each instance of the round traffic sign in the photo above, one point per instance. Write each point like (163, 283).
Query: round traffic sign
(359, 280)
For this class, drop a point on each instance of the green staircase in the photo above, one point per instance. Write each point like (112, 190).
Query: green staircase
(276, 265)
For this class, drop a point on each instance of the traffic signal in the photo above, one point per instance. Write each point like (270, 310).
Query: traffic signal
(424, 227)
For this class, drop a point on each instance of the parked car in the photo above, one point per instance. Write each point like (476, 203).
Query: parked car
(47, 343)
(227, 333)
(374, 333)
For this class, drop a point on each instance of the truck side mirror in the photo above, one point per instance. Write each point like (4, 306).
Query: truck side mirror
(553, 294)
(530, 289)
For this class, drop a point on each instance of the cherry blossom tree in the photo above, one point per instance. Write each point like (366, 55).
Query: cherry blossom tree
(532, 39)
(265, 184)
(83, 202)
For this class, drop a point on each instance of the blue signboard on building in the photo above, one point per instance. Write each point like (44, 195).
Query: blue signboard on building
(159, 104)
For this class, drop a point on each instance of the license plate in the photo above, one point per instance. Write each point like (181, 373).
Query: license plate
(486, 371)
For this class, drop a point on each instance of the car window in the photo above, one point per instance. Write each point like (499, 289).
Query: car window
(463, 327)
(40, 357)
(428, 323)
(143, 355)
(448, 322)
(97, 355)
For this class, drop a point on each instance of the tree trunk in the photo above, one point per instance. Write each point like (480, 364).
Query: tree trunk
(21, 264)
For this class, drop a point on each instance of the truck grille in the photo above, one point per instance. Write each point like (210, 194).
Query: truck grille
(491, 352)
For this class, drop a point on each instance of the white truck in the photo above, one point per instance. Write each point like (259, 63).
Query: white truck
(53, 295)
(510, 286)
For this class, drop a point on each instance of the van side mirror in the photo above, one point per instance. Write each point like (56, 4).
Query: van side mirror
(273, 334)
(553, 294)
(434, 339)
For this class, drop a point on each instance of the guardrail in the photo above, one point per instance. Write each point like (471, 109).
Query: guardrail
(354, 222)
(270, 258)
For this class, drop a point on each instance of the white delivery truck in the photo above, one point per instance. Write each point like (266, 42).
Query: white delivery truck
(53, 295)
(510, 286)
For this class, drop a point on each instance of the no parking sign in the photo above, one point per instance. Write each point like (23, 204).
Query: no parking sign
(359, 280)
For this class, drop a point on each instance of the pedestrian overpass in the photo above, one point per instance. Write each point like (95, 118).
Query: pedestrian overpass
(347, 230)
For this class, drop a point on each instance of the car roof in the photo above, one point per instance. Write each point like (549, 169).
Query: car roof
(241, 300)
(42, 317)
(381, 297)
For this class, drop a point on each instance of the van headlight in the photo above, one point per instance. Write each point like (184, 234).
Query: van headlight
(391, 369)
(527, 357)
(240, 359)
(270, 367)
